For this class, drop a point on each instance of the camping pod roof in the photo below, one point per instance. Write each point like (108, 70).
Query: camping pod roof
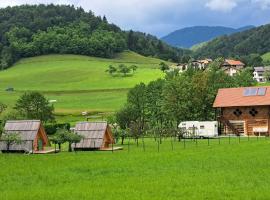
(27, 129)
(93, 134)
(235, 97)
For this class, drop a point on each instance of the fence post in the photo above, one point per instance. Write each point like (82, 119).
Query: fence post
(112, 145)
(128, 143)
(218, 139)
(229, 139)
(239, 138)
(143, 143)
(158, 146)
(172, 142)
(32, 147)
(184, 142)
(208, 141)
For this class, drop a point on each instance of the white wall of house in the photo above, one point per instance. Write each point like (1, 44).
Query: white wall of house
(258, 76)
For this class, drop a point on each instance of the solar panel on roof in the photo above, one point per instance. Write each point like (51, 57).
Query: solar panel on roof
(250, 92)
(254, 92)
(261, 91)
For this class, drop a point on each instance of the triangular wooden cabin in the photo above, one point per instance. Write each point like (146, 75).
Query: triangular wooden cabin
(96, 135)
(32, 135)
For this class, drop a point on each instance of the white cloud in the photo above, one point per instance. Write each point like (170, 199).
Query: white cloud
(264, 4)
(221, 5)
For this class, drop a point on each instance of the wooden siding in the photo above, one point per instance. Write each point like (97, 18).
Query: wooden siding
(260, 119)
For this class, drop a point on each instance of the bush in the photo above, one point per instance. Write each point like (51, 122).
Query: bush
(52, 128)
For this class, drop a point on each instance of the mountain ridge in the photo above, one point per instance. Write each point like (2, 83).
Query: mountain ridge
(190, 36)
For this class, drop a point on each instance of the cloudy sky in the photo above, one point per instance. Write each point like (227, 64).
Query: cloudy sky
(160, 17)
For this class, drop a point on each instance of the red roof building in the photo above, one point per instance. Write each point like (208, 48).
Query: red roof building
(232, 67)
(244, 110)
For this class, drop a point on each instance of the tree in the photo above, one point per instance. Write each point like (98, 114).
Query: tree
(72, 138)
(133, 68)
(3, 107)
(111, 70)
(58, 138)
(266, 75)
(33, 105)
(244, 78)
(63, 135)
(123, 69)
(136, 101)
(10, 139)
(163, 66)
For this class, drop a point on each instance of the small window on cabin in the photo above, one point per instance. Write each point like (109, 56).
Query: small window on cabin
(237, 112)
(253, 112)
(202, 127)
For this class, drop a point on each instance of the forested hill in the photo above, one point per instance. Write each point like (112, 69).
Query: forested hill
(190, 36)
(50, 29)
(253, 41)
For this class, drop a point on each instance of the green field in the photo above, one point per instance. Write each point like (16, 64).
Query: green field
(78, 83)
(219, 171)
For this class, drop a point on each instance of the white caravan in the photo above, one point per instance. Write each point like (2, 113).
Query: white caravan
(200, 129)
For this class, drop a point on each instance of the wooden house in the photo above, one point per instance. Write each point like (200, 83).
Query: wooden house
(232, 67)
(201, 64)
(31, 134)
(96, 135)
(244, 111)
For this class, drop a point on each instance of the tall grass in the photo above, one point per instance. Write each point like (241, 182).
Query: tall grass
(218, 171)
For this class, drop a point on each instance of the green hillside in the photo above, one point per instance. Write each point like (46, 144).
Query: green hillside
(253, 41)
(78, 83)
(266, 58)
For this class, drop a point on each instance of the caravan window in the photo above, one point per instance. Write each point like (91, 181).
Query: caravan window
(202, 127)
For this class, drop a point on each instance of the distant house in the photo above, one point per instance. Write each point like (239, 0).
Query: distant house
(244, 111)
(258, 73)
(96, 135)
(201, 64)
(180, 66)
(31, 133)
(232, 67)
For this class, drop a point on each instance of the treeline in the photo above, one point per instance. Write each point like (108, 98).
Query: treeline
(162, 104)
(45, 29)
(245, 45)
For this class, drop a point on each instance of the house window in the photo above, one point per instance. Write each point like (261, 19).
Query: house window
(253, 112)
(237, 112)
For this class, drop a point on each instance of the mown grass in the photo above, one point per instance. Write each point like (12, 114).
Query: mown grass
(78, 83)
(225, 171)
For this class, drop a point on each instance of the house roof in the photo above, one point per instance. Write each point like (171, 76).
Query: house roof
(262, 69)
(234, 97)
(233, 62)
(93, 133)
(27, 130)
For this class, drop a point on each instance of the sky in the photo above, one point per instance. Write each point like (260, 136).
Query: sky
(160, 17)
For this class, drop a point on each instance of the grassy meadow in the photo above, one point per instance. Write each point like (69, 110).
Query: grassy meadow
(78, 83)
(219, 171)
